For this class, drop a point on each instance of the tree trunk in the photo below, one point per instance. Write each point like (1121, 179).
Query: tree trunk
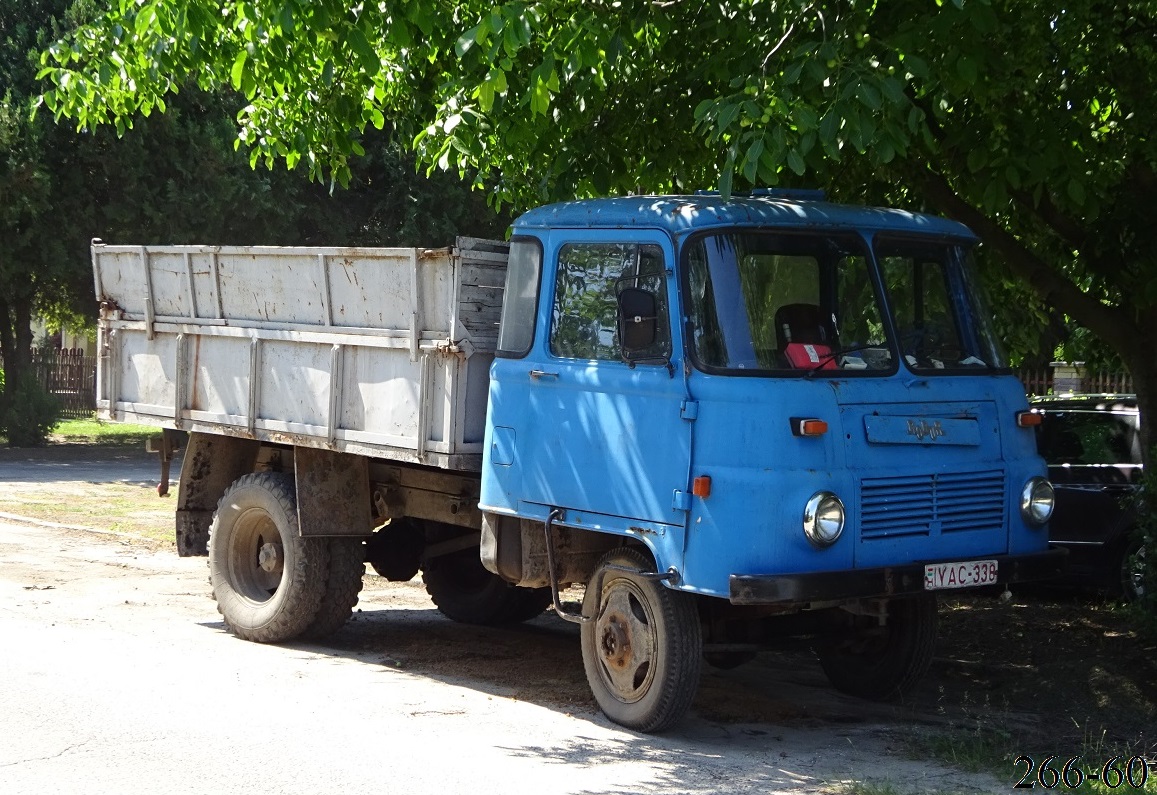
(1143, 368)
(15, 340)
(22, 322)
(7, 350)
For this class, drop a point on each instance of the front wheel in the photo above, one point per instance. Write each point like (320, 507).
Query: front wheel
(884, 663)
(268, 581)
(643, 650)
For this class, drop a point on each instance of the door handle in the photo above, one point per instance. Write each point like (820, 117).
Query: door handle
(539, 374)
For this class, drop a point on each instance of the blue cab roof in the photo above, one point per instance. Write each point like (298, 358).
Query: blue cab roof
(679, 215)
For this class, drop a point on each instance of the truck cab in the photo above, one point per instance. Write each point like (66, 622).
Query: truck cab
(785, 416)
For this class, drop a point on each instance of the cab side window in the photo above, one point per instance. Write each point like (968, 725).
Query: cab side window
(589, 277)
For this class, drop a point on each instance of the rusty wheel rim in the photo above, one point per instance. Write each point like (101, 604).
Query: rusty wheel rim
(626, 641)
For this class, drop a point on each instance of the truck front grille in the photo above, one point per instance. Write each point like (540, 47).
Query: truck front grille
(931, 504)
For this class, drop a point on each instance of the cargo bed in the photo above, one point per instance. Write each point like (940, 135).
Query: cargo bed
(383, 352)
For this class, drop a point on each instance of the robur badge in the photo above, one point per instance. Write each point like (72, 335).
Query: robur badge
(923, 430)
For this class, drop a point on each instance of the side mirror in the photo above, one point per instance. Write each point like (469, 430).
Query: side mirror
(638, 321)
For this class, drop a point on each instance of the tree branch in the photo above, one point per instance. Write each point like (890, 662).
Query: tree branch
(1069, 229)
(1111, 324)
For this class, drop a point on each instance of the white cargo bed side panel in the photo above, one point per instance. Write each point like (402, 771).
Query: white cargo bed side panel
(294, 382)
(271, 288)
(473, 406)
(381, 388)
(149, 376)
(381, 352)
(220, 375)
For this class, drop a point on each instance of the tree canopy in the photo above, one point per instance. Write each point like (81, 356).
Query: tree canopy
(1030, 121)
(174, 178)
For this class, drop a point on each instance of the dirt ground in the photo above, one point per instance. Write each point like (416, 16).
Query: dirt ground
(1043, 673)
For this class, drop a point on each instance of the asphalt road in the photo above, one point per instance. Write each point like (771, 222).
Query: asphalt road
(93, 464)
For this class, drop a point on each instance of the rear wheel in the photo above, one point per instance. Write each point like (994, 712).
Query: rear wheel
(464, 591)
(643, 651)
(342, 585)
(268, 581)
(726, 660)
(884, 663)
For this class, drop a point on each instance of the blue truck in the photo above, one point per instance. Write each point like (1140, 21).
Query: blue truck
(728, 420)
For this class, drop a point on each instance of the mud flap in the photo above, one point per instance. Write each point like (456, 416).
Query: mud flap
(333, 493)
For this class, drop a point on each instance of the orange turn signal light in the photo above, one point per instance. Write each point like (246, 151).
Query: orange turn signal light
(701, 486)
(1028, 419)
(801, 426)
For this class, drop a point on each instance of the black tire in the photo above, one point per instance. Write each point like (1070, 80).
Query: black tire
(726, 660)
(1127, 580)
(885, 663)
(464, 591)
(643, 652)
(342, 585)
(268, 581)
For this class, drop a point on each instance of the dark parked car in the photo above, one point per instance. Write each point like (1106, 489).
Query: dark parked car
(1093, 450)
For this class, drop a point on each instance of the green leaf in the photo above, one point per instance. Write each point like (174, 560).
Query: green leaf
(796, 163)
(977, 159)
(466, 41)
(726, 118)
(238, 69)
(806, 118)
(868, 95)
(365, 52)
(885, 152)
(1076, 191)
(486, 96)
(917, 66)
(829, 127)
(726, 179)
(966, 68)
(751, 160)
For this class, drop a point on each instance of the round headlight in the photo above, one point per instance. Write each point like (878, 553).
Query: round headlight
(823, 519)
(1037, 501)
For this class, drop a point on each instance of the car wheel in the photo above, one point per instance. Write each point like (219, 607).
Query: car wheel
(1130, 572)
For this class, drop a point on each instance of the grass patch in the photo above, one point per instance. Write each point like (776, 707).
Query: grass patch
(867, 788)
(94, 431)
(1093, 765)
(132, 508)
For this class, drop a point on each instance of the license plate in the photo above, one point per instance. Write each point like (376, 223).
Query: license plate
(939, 576)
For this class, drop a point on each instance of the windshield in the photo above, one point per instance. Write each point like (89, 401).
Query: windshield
(790, 302)
(940, 317)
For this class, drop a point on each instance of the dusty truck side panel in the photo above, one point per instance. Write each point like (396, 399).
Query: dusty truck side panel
(378, 352)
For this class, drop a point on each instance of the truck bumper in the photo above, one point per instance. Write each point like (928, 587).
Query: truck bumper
(906, 580)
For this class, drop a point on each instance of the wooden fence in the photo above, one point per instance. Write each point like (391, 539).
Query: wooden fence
(71, 377)
(1043, 381)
